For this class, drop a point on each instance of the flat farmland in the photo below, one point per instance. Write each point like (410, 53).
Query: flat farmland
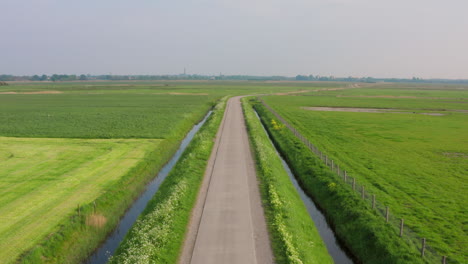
(43, 180)
(99, 115)
(73, 146)
(411, 151)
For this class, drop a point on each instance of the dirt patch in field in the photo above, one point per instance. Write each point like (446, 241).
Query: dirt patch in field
(366, 110)
(38, 92)
(96, 220)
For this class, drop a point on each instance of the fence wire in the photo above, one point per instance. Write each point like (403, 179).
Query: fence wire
(409, 236)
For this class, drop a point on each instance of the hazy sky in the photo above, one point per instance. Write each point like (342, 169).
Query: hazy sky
(380, 38)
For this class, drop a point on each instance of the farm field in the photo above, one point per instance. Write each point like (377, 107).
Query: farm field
(47, 178)
(415, 159)
(64, 144)
(64, 148)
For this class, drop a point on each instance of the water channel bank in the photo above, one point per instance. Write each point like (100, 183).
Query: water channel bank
(103, 253)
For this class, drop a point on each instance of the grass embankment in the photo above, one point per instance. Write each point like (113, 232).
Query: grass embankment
(362, 230)
(294, 236)
(415, 164)
(48, 178)
(158, 234)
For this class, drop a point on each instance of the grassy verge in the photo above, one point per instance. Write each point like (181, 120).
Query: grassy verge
(294, 236)
(363, 231)
(158, 234)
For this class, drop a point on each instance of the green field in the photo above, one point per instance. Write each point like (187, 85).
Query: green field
(47, 178)
(64, 144)
(415, 163)
(76, 144)
(98, 115)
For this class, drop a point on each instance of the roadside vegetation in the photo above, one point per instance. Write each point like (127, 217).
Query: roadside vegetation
(414, 163)
(293, 234)
(158, 234)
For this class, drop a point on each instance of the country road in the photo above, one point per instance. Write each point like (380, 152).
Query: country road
(228, 224)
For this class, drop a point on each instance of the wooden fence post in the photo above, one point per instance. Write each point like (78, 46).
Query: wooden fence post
(363, 192)
(345, 176)
(354, 183)
(444, 260)
(401, 227)
(423, 248)
(373, 201)
(332, 165)
(338, 169)
(326, 160)
(387, 213)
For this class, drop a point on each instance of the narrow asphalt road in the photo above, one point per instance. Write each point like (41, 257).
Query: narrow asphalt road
(228, 224)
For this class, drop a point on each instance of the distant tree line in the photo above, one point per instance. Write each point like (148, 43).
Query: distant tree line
(43, 77)
(109, 77)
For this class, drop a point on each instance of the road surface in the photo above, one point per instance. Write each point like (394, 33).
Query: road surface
(228, 223)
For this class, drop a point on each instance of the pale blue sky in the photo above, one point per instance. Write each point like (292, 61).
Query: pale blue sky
(398, 38)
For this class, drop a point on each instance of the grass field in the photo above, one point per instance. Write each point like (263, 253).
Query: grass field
(43, 180)
(99, 115)
(62, 139)
(416, 164)
(67, 143)
(76, 145)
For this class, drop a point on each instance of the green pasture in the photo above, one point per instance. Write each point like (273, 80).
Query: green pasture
(44, 180)
(99, 115)
(416, 164)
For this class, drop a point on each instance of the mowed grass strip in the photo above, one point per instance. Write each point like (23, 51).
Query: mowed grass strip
(415, 164)
(294, 237)
(43, 180)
